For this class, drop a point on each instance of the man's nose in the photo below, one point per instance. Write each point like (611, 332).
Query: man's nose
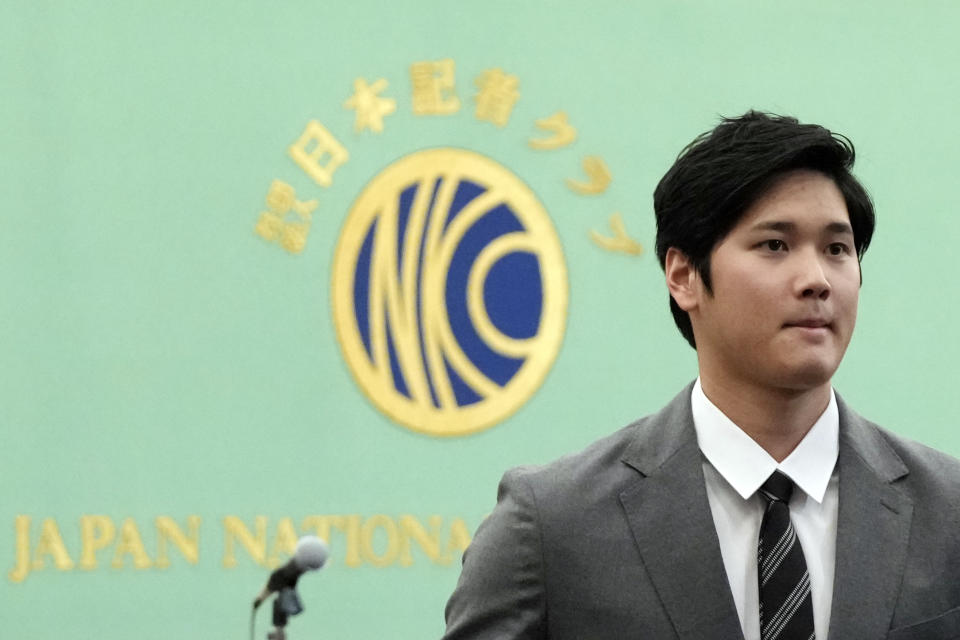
(812, 281)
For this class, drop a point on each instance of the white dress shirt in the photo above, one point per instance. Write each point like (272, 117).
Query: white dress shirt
(734, 468)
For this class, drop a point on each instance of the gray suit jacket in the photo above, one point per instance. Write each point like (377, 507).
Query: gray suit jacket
(618, 541)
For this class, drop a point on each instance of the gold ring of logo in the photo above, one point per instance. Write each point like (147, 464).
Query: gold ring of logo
(417, 338)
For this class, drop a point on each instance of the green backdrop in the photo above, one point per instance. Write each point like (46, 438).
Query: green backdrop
(161, 361)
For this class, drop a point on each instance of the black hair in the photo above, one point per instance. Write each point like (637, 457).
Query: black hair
(719, 175)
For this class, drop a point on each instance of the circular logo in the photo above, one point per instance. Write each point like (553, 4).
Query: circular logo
(449, 292)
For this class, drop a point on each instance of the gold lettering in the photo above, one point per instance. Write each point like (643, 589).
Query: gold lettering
(379, 540)
(320, 525)
(433, 87)
(497, 92)
(459, 538)
(21, 525)
(367, 533)
(350, 526)
(620, 241)
(318, 153)
(563, 132)
(256, 546)
(598, 177)
(169, 531)
(51, 544)
(285, 542)
(130, 544)
(429, 543)
(96, 532)
(369, 105)
(287, 221)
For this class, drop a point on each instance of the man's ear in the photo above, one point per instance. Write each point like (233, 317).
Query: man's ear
(683, 280)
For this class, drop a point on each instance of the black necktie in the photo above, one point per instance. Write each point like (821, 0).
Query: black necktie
(786, 609)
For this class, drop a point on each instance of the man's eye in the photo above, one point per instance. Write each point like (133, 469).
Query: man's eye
(838, 249)
(774, 245)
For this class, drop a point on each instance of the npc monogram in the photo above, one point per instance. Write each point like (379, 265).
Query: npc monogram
(449, 283)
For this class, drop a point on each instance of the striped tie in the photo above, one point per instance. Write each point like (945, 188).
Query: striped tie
(786, 609)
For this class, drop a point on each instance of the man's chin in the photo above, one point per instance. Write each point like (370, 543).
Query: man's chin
(807, 376)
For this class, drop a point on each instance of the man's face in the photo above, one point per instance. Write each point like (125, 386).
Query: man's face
(786, 282)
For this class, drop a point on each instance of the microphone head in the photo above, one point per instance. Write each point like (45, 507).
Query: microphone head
(311, 553)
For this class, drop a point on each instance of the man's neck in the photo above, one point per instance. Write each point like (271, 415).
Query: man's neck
(776, 419)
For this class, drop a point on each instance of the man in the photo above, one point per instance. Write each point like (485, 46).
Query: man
(756, 504)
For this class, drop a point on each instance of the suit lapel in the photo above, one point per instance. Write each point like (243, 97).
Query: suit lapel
(873, 528)
(670, 518)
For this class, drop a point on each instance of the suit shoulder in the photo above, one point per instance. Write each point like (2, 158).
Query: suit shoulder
(599, 453)
(924, 464)
(607, 462)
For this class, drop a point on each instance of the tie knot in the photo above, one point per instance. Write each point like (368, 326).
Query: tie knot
(777, 487)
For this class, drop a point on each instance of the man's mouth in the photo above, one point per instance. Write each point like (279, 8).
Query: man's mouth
(810, 323)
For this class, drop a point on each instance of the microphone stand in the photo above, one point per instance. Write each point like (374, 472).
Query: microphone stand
(286, 604)
(310, 555)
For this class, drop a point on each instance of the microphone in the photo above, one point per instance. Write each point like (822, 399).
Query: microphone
(310, 555)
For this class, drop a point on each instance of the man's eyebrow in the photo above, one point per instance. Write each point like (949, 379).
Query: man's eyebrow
(774, 225)
(786, 227)
(839, 227)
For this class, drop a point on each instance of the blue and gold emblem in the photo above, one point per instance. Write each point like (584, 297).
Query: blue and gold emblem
(449, 284)
(449, 291)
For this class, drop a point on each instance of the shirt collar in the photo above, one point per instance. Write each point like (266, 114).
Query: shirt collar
(746, 465)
